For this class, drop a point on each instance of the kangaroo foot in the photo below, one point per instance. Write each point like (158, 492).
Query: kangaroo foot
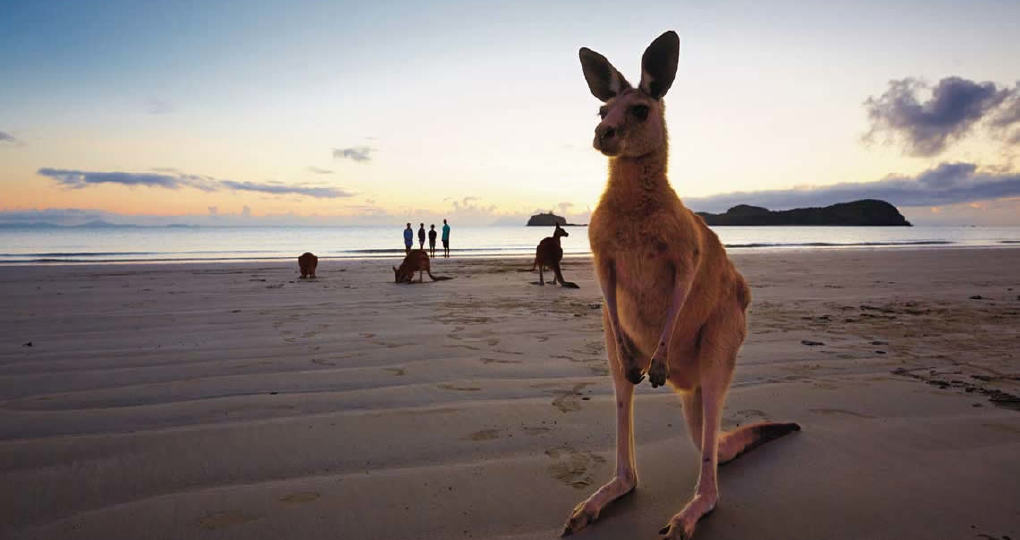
(681, 526)
(587, 511)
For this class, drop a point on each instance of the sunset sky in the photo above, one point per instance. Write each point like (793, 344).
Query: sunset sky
(385, 112)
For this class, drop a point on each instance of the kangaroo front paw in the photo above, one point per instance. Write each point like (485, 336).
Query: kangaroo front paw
(626, 350)
(658, 372)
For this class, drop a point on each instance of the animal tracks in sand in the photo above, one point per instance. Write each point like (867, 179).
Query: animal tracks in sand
(499, 433)
(572, 467)
(485, 360)
(300, 497)
(566, 400)
(220, 520)
(458, 388)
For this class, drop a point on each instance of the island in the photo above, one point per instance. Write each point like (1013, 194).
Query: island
(548, 219)
(865, 212)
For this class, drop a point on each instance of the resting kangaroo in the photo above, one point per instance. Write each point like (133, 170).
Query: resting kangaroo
(417, 260)
(307, 262)
(674, 303)
(549, 253)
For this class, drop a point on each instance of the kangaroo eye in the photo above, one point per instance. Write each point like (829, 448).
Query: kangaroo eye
(639, 111)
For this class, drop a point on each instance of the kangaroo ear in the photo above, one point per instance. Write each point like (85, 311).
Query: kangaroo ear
(604, 81)
(658, 64)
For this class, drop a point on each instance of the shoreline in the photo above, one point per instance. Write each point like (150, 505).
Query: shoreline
(925, 246)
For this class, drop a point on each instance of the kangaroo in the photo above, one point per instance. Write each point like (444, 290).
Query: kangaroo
(417, 260)
(549, 253)
(674, 303)
(307, 262)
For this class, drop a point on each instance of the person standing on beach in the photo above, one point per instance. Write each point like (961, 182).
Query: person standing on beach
(408, 238)
(421, 236)
(446, 239)
(432, 240)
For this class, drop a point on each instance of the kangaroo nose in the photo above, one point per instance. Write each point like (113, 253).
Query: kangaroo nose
(605, 133)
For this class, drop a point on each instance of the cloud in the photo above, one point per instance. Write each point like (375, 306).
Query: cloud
(8, 138)
(317, 170)
(355, 153)
(955, 106)
(74, 179)
(945, 184)
(276, 188)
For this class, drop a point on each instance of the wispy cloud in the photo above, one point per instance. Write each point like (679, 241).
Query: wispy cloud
(945, 184)
(956, 105)
(75, 179)
(8, 138)
(277, 188)
(317, 170)
(355, 153)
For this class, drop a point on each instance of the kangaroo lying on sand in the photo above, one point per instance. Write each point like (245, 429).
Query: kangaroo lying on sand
(417, 260)
(549, 253)
(674, 303)
(307, 262)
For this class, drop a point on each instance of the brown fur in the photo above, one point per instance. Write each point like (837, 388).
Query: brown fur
(675, 304)
(307, 262)
(549, 254)
(417, 260)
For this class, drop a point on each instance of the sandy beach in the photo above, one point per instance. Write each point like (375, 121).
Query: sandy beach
(184, 401)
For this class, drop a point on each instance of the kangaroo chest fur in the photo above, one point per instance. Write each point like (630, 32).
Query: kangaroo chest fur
(639, 241)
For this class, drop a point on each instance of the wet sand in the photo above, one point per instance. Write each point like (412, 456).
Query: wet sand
(237, 401)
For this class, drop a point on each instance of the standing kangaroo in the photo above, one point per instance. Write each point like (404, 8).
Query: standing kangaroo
(550, 253)
(674, 304)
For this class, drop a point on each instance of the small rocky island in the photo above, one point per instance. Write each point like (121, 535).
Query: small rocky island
(549, 219)
(865, 212)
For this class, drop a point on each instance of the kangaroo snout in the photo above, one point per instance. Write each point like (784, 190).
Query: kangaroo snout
(607, 138)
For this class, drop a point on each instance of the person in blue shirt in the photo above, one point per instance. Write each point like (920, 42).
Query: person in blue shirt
(408, 238)
(446, 239)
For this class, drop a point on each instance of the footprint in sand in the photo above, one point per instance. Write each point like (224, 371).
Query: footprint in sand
(220, 520)
(746, 416)
(567, 400)
(498, 361)
(300, 497)
(485, 435)
(450, 386)
(399, 372)
(572, 467)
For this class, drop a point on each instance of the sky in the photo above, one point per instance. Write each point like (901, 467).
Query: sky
(383, 112)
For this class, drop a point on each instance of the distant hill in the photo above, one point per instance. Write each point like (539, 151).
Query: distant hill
(548, 219)
(94, 224)
(865, 212)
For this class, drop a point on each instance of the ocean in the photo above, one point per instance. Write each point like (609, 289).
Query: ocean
(35, 244)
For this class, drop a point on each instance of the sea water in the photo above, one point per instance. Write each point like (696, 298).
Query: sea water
(152, 244)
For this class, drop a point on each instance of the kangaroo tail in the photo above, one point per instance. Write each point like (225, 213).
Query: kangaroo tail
(559, 277)
(437, 278)
(746, 438)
